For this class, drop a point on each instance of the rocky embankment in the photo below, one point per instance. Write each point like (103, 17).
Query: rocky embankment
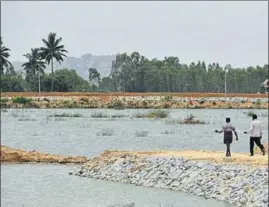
(11, 155)
(240, 180)
(135, 102)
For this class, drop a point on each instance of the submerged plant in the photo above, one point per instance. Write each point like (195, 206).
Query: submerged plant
(141, 133)
(66, 115)
(105, 132)
(153, 114)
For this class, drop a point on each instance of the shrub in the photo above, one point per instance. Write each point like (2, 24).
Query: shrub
(84, 100)
(153, 114)
(116, 104)
(46, 99)
(21, 100)
(250, 113)
(202, 101)
(4, 100)
(258, 102)
(167, 98)
(99, 115)
(188, 120)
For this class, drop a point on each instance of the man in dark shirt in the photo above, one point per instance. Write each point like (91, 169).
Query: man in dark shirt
(228, 130)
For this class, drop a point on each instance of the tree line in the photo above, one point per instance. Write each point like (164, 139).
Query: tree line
(129, 73)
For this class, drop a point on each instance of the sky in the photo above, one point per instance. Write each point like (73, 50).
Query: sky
(224, 32)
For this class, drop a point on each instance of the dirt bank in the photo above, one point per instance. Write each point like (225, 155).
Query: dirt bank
(12, 155)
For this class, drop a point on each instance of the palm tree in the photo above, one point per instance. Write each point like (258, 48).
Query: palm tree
(34, 64)
(4, 55)
(52, 50)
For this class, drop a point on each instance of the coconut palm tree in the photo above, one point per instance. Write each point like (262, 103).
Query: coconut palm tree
(4, 55)
(52, 50)
(34, 65)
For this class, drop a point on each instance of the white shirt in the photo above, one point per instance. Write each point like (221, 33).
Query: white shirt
(255, 128)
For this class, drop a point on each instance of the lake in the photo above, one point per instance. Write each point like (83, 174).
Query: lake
(43, 185)
(33, 129)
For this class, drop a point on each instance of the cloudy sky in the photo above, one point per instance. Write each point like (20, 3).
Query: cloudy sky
(224, 32)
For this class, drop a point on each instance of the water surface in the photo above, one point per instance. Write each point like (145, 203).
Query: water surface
(41, 185)
(86, 136)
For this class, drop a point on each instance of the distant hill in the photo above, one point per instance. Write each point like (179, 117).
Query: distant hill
(82, 64)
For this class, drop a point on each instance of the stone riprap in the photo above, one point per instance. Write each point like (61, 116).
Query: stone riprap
(236, 184)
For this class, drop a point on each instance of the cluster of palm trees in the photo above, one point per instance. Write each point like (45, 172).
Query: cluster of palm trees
(38, 58)
(4, 63)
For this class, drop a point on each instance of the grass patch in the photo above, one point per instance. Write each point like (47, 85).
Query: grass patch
(21, 100)
(76, 115)
(153, 114)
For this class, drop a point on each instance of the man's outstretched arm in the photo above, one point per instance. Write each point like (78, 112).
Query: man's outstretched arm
(250, 129)
(220, 131)
(235, 133)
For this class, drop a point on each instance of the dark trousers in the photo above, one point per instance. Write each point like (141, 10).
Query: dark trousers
(257, 141)
(228, 149)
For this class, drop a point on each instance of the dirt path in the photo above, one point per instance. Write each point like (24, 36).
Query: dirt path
(12, 155)
(211, 156)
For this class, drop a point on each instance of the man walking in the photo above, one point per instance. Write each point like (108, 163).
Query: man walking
(255, 135)
(228, 130)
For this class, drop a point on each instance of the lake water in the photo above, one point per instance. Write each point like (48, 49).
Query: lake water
(84, 135)
(43, 185)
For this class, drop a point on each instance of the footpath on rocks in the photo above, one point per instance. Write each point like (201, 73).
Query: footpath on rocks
(240, 180)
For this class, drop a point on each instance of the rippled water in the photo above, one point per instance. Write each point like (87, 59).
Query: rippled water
(50, 185)
(84, 135)
(42, 185)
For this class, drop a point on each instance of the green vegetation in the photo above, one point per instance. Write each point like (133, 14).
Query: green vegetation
(129, 73)
(250, 113)
(21, 100)
(153, 114)
(52, 50)
(116, 104)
